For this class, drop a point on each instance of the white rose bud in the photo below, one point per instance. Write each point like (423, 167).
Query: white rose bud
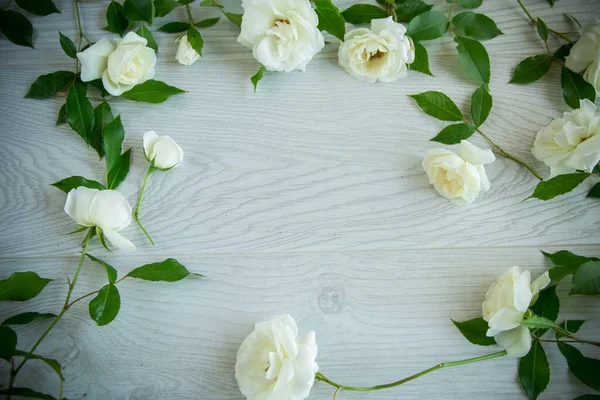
(572, 142)
(459, 178)
(186, 54)
(282, 34)
(379, 54)
(105, 209)
(122, 65)
(506, 302)
(584, 54)
(273, 363)
(162, 150)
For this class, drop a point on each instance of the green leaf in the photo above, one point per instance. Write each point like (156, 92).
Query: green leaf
(103, 117)
(67, 45)
(174, 27)
(105, 306)
(114, 135)
(532, 68)
(594, 191)
(363, 13)
(257, 76)
(38, 7)
(552, 2)
(195, 40)
(477, 26)
(46, 86)
(169, 270)
(588, 397)
(111, 272)
(405, 12)
(547, 306)
(80, 113)
(207, 23)
(563, 51)
(564, 257)
(586, 280)
(330, 19)
(184, 2)
(427, 26)
(585, 369)
(55, 365)
(164, 7)
(8, 342)
(144, 32)
(421, 62)
(22, 286)
(210, 3)
(62, 115)
(470, 3)
(139, 10)
(116, 22)
(454, 134)
(26, 318)
(539, 322)
(575, 88)
(98, 232)
(73, 182)
(572, 18)
(27, 393)
(534, 371)
(481, 105)
(16, 28)
(118, 172)
(475, 331)
(558, 185)
(572, 326)
(474, 59)
(542, 29)
(438, 105)
(235, 18)
(151, 91)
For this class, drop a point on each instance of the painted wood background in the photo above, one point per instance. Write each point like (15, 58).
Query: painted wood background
(307, 197)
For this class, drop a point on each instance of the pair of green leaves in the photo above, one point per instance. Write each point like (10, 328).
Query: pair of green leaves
(585, 271)
(177, 27)
(236, 19)
(104, 308)
(16, 27)
(440, 106)
(405, 11)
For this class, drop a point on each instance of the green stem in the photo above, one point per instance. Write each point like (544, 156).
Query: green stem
(86, 242)
(321, 377)
(534, 22)
(575, 338)
(189, 13)
(499, 151)
(136, 214)
(450, 17)
(91, 293)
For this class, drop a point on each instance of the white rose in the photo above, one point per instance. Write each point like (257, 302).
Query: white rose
(105, 209)
(572, 142)
(506, 302)
(592, 74)
(282, 34)
(186, 54)
(163, 150)
(381, 53)
(121, 65)
(459, 178)
(584, 54)
(274, 364)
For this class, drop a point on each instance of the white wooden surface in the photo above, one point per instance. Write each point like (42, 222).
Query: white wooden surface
(307, 197)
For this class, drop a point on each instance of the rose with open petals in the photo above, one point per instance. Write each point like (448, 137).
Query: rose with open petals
(274, 364)
(506, 302)
(162, 151)
(105, 209)
(282, 34)
(572, 142)
(381, 53)
(459, 177)
(121, 65)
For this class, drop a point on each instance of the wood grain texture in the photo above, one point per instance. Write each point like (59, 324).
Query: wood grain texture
(307, 197)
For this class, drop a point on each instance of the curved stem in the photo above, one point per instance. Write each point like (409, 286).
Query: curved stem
(136, 214)
(499, 151)
(575, 338)
(534, 22)
(321, 377)
(450, 17)
(91, 293)
(189, 13)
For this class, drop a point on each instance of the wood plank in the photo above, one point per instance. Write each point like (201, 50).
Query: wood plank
(378, 317)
